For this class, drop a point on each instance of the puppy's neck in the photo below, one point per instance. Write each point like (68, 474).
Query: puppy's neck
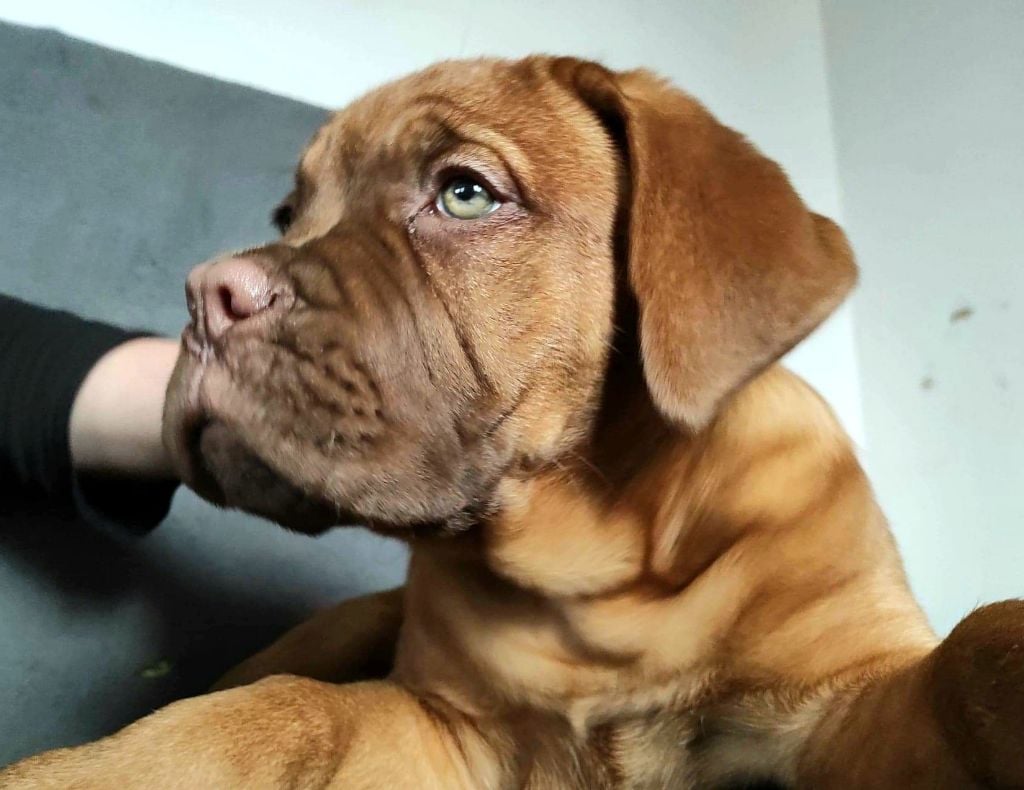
(650, 505)
(630, 568)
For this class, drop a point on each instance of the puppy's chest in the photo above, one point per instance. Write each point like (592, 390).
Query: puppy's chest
(647, 754)
(635, 755)
(678, 750)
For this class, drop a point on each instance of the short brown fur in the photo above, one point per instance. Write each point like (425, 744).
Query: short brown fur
(643, 554)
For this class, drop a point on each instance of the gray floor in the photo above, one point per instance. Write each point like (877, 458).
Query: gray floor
(116, 176)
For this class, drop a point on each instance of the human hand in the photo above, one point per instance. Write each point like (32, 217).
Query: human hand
(116, 420)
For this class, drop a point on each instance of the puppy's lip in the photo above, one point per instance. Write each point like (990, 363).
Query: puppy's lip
(194, 418)
(190, 341)
(204, 423)
(231, 475)
(198, 476)
(203, 480)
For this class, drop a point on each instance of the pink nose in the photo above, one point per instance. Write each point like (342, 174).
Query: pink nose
(231, 291)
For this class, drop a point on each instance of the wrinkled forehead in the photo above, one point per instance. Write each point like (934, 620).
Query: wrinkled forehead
(510, 107)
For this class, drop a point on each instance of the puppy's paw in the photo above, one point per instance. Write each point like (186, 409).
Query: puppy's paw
(978, 692)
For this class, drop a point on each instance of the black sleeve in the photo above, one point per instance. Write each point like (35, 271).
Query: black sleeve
(44, 357)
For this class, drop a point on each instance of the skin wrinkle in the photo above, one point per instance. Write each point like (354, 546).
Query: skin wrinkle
(455, 133)
(448, 140)
(268, 393)
(479, 374)
(337, 403)
(334, 300)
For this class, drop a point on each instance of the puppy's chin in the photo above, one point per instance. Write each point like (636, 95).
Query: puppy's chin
(228, 474)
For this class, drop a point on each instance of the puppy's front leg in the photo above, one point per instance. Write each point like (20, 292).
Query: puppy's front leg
(353, 640)
(952, 721)
(280, 732)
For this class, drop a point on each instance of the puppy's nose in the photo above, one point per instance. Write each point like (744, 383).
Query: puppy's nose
(231, 291)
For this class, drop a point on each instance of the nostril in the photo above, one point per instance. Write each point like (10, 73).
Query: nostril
(240, 304)
(226, 302)
(237, 306)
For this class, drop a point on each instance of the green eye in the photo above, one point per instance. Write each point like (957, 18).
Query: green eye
(464, 198)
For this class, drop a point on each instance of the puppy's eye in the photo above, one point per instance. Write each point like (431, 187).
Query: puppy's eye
(464, 198)
(283, 217)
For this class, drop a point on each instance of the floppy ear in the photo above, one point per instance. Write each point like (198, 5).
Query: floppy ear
(729, 268)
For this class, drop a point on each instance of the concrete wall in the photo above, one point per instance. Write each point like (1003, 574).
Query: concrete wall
(928, 107)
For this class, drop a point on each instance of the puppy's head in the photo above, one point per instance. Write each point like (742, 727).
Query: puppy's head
(445, 299)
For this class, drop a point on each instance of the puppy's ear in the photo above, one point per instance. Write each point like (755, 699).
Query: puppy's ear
(729, 268)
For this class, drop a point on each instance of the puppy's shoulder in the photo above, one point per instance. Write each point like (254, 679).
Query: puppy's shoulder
(780, 405)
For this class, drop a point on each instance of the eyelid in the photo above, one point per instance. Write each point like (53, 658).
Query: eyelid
(447, 175)
(495, 178)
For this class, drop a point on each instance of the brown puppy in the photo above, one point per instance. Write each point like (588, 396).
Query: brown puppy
(526, 314)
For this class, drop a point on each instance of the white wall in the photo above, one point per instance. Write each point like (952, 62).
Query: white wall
(758, 65)
(928, 103)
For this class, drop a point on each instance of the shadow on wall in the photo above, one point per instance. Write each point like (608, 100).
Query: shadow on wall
(116, 176)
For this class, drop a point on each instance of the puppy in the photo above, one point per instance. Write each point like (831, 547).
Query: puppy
(525, 315)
